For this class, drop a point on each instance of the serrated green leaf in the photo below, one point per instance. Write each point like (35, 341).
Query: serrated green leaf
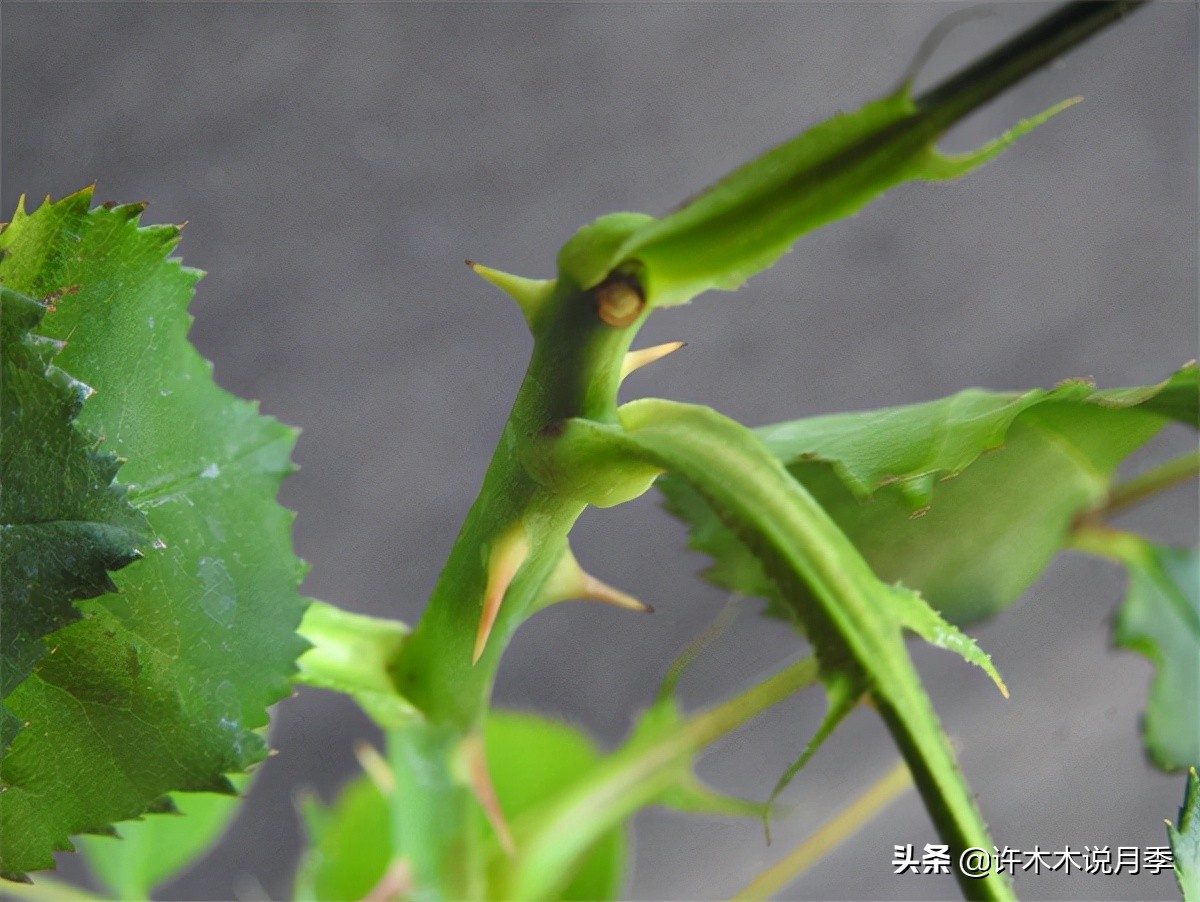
(964, 499)
(146, 853)
(1160, 619)
(844, 686)
(530, 759)
(918, 617)
(1185, 840)
(64, 523)
(749, 219)
(164, 685)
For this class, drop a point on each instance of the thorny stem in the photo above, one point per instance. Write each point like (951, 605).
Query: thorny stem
(575, 372)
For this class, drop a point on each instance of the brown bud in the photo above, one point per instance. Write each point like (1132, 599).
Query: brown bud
(619, 300)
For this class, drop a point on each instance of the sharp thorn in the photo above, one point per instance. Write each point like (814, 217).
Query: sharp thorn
(570, 581)
(635, 360)
(507, 555)
(596, 590)
(528, 293)
(481, 786)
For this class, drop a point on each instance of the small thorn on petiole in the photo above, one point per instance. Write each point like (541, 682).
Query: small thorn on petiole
(635, 360)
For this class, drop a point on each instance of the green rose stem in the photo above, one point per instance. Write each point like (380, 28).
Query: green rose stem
(511, 556)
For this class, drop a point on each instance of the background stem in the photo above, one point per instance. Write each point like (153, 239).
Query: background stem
(832, 833)
(1040, 44)
(1155, 480)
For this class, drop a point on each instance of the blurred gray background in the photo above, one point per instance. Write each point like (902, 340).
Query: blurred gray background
(336, 163)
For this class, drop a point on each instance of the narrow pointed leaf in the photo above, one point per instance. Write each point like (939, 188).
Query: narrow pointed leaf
(844, 686)
(693, 797)
(652, 767)
(748, 220)
(916, 615)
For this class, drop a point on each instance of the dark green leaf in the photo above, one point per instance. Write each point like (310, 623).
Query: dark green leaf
(164, 685)
(63, 522)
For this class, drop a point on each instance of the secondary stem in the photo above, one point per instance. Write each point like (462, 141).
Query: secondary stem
(1153, 481)
(633, 777)
(1040, 44)
(832, 833)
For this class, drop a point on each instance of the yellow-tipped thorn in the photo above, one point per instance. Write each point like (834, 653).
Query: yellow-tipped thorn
(635, 360)
(481, 786)
(596, 590)
(375, 767)
(507, 555)
(528, 293)
(1000, 685)
(570, 581)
